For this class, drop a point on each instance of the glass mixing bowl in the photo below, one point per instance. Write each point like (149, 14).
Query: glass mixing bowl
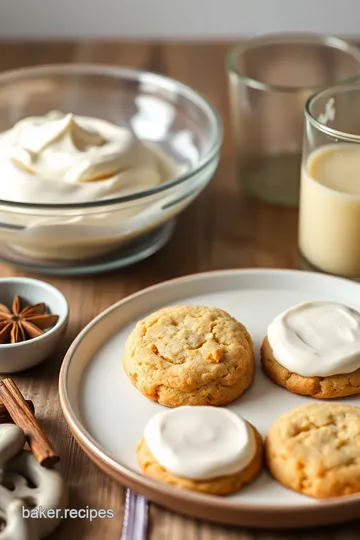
(106, 234)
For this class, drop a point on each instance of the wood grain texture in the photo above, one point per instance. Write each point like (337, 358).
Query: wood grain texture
(220, 230)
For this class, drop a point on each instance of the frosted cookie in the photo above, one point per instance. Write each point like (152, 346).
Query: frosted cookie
(206, 449)
(315, 449)
(190, 355)
(314, 349)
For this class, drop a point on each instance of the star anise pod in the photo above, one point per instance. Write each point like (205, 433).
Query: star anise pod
(23, 323)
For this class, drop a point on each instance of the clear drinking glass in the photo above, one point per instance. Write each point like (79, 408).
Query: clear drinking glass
(329, 228)
(271, 78)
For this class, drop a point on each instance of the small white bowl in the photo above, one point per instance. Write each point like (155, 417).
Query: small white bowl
(25, 354)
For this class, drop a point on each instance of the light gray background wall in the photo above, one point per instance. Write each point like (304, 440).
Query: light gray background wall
(175, 18)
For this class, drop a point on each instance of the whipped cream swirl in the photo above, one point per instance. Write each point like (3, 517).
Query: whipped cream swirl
(317, 339)
(200, 442)
(61, 158)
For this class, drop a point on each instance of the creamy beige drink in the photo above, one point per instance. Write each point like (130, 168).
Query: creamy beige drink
(329, 230)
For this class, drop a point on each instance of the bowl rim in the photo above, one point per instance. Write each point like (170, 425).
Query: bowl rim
(59, 323)
(163, 81)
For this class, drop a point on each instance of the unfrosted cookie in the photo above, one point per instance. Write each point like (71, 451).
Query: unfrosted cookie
(190, 355)
(223, 485)
(315, 449)
(334, 386)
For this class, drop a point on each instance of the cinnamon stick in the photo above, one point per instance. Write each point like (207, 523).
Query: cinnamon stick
(5, 417)
(22, 415)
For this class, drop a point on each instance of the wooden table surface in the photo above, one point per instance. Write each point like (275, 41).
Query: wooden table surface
(218, 231)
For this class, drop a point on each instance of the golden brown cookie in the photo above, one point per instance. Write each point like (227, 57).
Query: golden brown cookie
(334, 386)
(223, 485)
(190, 355)
(315, 449)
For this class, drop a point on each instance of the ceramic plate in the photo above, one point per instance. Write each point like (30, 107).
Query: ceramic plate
(107, 415)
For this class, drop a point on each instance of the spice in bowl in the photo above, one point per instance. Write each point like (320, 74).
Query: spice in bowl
(23, 322)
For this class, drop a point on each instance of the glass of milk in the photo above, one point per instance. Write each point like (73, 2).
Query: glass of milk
(329, 226)
(271, 77)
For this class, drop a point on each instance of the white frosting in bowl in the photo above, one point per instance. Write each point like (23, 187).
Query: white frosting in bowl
(67, 159)
(317, 339)
(200, 442)
(61, 159)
